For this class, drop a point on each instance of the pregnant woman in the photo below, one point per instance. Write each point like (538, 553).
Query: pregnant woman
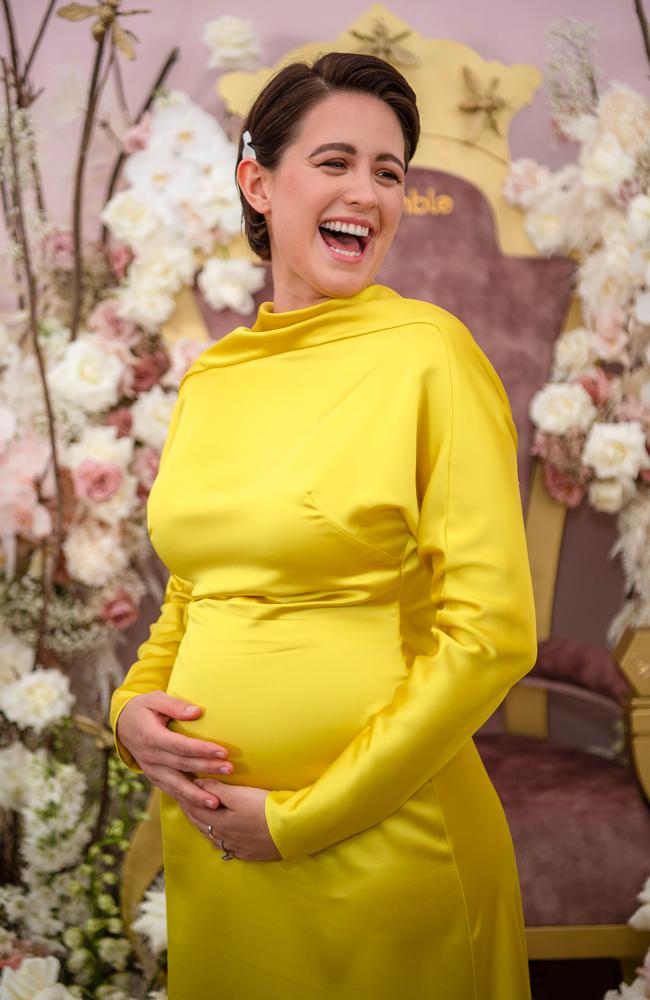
(349, 599)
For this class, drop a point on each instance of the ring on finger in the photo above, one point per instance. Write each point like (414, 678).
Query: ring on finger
(210, 831)
(228, 855)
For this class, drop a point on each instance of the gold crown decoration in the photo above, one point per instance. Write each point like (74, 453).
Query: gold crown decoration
(466, 103)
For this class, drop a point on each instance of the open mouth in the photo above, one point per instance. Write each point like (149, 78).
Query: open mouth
(345, 245)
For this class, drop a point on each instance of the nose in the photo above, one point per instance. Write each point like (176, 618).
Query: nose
(360, 189)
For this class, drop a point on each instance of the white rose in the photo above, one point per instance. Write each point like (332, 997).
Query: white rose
(545, 228)
(642, 308)
(166, 266)
(144, 302)
(102, 445)
(38, 699)
(607, 495)
(151, 415)
(572, 353)
(638, 218)
(94, 553)
(152, 919)
(189, 133)
(34, 979)
(228, 283)
(233, 42)
(87, 375)
(558, 408)
(120, 505)
(606, 164)
(616, 450)
(15, 657)
(14, 761)
(524, 181)
(132, 217)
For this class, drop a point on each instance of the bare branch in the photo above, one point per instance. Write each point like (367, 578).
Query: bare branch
(37, 40)
(643, 22)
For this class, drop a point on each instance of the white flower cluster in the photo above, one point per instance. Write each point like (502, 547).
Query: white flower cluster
(152, 919)
(233, 42)
(37, 699)
(593, 417)
(182, 199)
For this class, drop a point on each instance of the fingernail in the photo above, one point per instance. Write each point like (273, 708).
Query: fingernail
(223, 770)
(190, 709)
(210, 804)
(219, 753)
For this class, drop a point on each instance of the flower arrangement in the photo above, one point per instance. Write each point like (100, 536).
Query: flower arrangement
(87, 386)
(593, 415)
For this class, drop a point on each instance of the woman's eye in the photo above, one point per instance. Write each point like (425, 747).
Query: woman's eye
(342, 163)
(333, 163)
(389, 173)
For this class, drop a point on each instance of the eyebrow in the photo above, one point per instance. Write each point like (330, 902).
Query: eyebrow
(345, 147)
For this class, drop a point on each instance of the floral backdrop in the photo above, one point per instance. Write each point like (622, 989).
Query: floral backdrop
(87, 385)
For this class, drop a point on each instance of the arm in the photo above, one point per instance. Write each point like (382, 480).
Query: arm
(468, 526)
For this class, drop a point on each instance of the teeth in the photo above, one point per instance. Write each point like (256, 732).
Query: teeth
(347, 253)
(346, 227)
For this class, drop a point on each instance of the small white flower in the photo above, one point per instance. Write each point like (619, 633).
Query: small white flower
(114, 951)
(102, 445)
(152, 919)
(609, 495)
(605, 164)
(15, 657)
(616, 450)
(524, 181)
(545, 227)
(642, 308)
(558, 407)
(233, 42)
(37, 700)
(228, 283)
(35, 979)
(94, 553)
(151, 415)
(78, 959)
(133, 217)
(87, 375)
(638, 218)
(14, 760)
(573, 353)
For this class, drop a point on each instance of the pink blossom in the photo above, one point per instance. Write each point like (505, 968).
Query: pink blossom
(106, 322)
(120, 611)
(25, 459)
(598, 386)
(145, 467)
(148, 369)
(21, 950)
(97, 481)
(57, 248)
(137, 137)
(122, 419)
(7, 425)
(20, 511)
(183, 353)
(120, 256)
(562, 487)
(610, 338)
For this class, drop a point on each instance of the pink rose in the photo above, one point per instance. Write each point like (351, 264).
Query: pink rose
(104, 320)
(598, 386)
(120, 611)
(97, 481)
(58, 249)
(148, 369)
(145, 467)
(120, 256)
(122, 419)
(183, 353)
(562, 487)
(137, 137)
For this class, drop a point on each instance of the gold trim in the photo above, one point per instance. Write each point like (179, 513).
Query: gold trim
(586, 941)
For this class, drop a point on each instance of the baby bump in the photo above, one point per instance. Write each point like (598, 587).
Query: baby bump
(285, 695)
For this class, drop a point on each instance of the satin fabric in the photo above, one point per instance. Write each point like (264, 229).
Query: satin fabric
(349, 599)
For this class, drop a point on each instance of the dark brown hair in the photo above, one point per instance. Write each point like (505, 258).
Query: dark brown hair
(275, 117)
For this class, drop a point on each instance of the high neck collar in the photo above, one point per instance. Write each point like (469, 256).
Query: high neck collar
(272, 332)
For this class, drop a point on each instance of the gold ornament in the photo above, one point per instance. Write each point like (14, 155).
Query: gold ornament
(487, 104)
(380, 43)
(107, 15)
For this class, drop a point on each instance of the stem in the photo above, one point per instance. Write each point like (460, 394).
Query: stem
(33, 322)
(104, 802)
(37, 40)
(117, 168)
(643, 22)
(10, 223)
(78, 189)
(13, 48)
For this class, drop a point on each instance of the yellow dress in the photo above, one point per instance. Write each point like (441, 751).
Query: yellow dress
(349, 600)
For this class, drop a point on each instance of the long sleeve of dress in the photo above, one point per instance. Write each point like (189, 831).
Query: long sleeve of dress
(156, 655)
(468, 529)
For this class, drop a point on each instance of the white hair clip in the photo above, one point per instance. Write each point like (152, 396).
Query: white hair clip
(248, 153)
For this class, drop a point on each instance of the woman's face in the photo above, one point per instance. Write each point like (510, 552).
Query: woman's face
(361, 182)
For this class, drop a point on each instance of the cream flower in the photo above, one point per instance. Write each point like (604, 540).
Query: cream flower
(616, 450)
(524, 181)
(573, 353)
(133, 217)
(545, 227)
(605, 164)
(14, 761)
(558, 408)
(87, 375)
(233, 42)
(101, 444)
(144, 302)
(638, 218)
(152, 920)
(34, 979)
(608, 495)
(229, 283)
(114, 951)
(151, 415)
(626, 114)
(94, 553)
(37, 700)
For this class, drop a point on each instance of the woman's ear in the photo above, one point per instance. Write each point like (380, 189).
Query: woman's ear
(253, 179)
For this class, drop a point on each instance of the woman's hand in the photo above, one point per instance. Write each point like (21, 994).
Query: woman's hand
(165, 756)
(240, 822)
